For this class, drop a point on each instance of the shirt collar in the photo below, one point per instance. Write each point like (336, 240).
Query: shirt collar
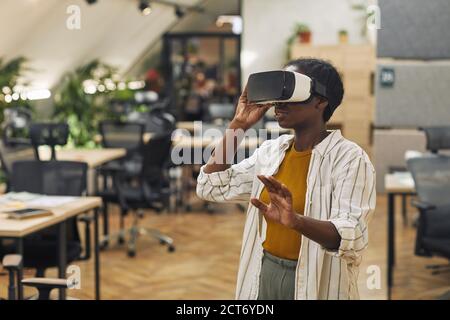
(323, 147)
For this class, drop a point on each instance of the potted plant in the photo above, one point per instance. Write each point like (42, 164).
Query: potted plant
(303, 33)
(343, 36)
(80, 110)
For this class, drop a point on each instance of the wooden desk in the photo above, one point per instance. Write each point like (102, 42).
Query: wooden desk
(93, 157)
(18, 229)
(400, 183)
(186, 125)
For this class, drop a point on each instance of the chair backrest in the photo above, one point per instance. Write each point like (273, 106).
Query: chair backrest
(160, 121)
(15, 125)
(58, 178)
(438, 138)
(431, 176)
(223, 111)
(117, 134)
(10, 154)
(156, 154)
(48, 134)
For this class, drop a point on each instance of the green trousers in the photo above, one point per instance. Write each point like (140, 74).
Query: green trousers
(277, 278)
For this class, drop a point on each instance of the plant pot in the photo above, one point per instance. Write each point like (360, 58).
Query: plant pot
(343, 38)
(304, 37)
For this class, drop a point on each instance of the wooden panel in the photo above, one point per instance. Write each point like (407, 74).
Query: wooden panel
(355, 63)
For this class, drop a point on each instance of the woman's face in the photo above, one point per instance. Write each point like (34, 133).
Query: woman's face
(293, 115)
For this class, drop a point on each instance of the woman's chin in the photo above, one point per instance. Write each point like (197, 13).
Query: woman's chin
(283, 123)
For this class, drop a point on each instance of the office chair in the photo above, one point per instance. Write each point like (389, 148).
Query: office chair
(15, 126)
(118, 134)
(51, 178)
(438, 138)
(13, 265)
(150, 190)
(48, 134)
(220, 112)
(160, 121)
(431, 176)
(11, 153)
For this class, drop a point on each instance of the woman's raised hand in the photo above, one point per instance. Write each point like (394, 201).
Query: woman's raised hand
(247, 114)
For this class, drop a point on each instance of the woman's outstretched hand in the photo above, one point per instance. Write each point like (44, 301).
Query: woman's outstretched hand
(280, 207)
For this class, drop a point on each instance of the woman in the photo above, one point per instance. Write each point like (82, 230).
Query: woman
(312, 195)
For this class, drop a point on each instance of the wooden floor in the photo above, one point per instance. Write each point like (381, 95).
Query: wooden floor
(204, 265)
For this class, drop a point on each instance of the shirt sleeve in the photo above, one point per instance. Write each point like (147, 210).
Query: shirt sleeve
(231, 185)
(353, 203)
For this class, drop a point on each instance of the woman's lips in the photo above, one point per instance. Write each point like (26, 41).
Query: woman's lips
(280, 113)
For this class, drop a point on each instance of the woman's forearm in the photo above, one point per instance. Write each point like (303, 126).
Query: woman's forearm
(226, 149)
(322, 232)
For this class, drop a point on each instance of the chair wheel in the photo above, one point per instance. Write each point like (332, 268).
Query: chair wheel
(188, 208)
(131, 253)
(161, 242)
(171, 249)
(120, 240)
(103, 245)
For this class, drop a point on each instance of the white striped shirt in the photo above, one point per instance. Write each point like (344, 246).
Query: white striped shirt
(340, 189)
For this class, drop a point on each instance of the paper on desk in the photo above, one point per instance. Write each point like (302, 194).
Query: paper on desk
(404, 177)
(50, 201)
(19, 196)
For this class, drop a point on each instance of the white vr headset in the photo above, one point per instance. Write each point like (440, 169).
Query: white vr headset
(282, 86)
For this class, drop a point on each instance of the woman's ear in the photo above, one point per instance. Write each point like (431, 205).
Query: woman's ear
(321, 103)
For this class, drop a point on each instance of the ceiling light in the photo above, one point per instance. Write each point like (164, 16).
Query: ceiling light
(91, 1)
(38, 94)
(144, 7)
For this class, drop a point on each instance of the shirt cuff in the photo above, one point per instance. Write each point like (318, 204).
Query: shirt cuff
(216, 179)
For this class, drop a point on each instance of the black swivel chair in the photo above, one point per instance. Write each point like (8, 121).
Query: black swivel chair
(117, 134)
(12, 153)
(438, 138)
(160, 121)
(150, 190)
(431, 176)
(49, 134)
(51, 178)
(15, 126)
(13, 264)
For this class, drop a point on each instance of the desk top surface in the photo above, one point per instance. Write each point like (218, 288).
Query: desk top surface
(21, 228)
(399, 182)
(93, 157)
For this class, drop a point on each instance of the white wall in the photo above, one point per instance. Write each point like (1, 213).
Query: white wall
(269, 23)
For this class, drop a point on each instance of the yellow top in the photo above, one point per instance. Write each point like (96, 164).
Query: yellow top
(282, 241)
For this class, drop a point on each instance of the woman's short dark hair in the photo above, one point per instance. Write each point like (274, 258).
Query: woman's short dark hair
(326, 74)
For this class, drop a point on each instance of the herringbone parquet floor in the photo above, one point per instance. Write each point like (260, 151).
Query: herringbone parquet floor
(204, 265)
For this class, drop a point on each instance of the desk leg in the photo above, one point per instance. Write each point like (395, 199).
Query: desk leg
(62, 255)
(96, 255)
(391, 242)
(19, 250)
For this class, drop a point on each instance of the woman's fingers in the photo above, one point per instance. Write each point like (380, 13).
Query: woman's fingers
(275, 182)
(259, 204)
(269, 185)
(287, 193)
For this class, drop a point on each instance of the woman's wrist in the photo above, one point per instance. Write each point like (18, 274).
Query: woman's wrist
(236, 124)
(297, 223)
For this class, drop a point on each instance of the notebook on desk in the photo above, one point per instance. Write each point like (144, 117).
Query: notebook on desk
(28, 213)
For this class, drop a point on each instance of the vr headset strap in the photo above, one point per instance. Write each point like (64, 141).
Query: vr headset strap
(319, 89)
